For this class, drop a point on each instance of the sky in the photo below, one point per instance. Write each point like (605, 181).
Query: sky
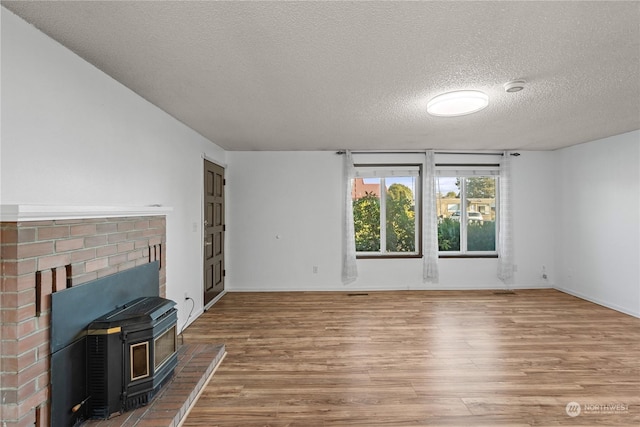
(445, 184)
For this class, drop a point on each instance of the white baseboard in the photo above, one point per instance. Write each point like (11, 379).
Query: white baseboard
(215, 300)
(352, 288)
(598, 301)
(194, 316)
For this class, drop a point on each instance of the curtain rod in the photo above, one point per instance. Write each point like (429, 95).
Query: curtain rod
(422, 152)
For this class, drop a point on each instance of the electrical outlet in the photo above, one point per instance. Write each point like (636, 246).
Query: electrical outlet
(186, 296)
(315, 269)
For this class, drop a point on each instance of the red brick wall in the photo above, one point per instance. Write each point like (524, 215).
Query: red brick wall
(360, 188)
(41, 257)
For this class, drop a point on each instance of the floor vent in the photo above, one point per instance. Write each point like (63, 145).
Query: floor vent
(358, 295)
(504, 292)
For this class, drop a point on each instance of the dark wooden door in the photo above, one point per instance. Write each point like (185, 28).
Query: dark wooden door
(214, 229)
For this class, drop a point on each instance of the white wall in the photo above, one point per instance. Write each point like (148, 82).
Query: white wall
(297, 196)
(285, 218)
(598, 251)
(71, 135)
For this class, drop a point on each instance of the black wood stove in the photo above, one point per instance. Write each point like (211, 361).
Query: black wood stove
(131, 353)
(103, 364)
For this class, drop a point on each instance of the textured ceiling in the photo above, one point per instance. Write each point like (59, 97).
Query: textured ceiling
(358, 75)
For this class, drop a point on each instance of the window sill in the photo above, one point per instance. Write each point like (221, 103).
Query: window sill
(468, 256)
(389, 256)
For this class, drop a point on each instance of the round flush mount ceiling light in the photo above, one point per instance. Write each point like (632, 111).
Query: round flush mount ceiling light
(457, 103)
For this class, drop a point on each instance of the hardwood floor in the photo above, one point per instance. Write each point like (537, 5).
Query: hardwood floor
(418, 358)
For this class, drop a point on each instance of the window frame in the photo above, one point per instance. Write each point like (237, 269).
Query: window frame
(478, 170)
(418, 196)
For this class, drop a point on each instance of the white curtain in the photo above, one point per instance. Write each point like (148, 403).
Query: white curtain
(505, 232)
(349, 267)
(429, 222)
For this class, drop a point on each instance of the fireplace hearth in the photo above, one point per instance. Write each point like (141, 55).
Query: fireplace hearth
(131, 353)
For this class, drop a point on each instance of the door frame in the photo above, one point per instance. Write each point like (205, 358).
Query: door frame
(202, 230)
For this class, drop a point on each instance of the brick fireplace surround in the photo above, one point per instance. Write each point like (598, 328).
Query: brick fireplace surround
(39, 256)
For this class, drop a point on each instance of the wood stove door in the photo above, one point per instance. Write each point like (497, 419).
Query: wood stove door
(214, 229)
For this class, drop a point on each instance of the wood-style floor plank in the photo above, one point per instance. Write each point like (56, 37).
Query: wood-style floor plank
(418, 358)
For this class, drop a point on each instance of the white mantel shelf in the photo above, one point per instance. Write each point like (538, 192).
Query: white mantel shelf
(15, 213)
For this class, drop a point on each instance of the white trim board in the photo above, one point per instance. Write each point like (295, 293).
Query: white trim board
(26, 212)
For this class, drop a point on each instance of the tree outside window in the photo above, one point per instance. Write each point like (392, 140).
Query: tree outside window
(386, 225)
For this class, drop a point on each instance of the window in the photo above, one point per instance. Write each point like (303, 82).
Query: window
(466, 209)
(386, 210)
